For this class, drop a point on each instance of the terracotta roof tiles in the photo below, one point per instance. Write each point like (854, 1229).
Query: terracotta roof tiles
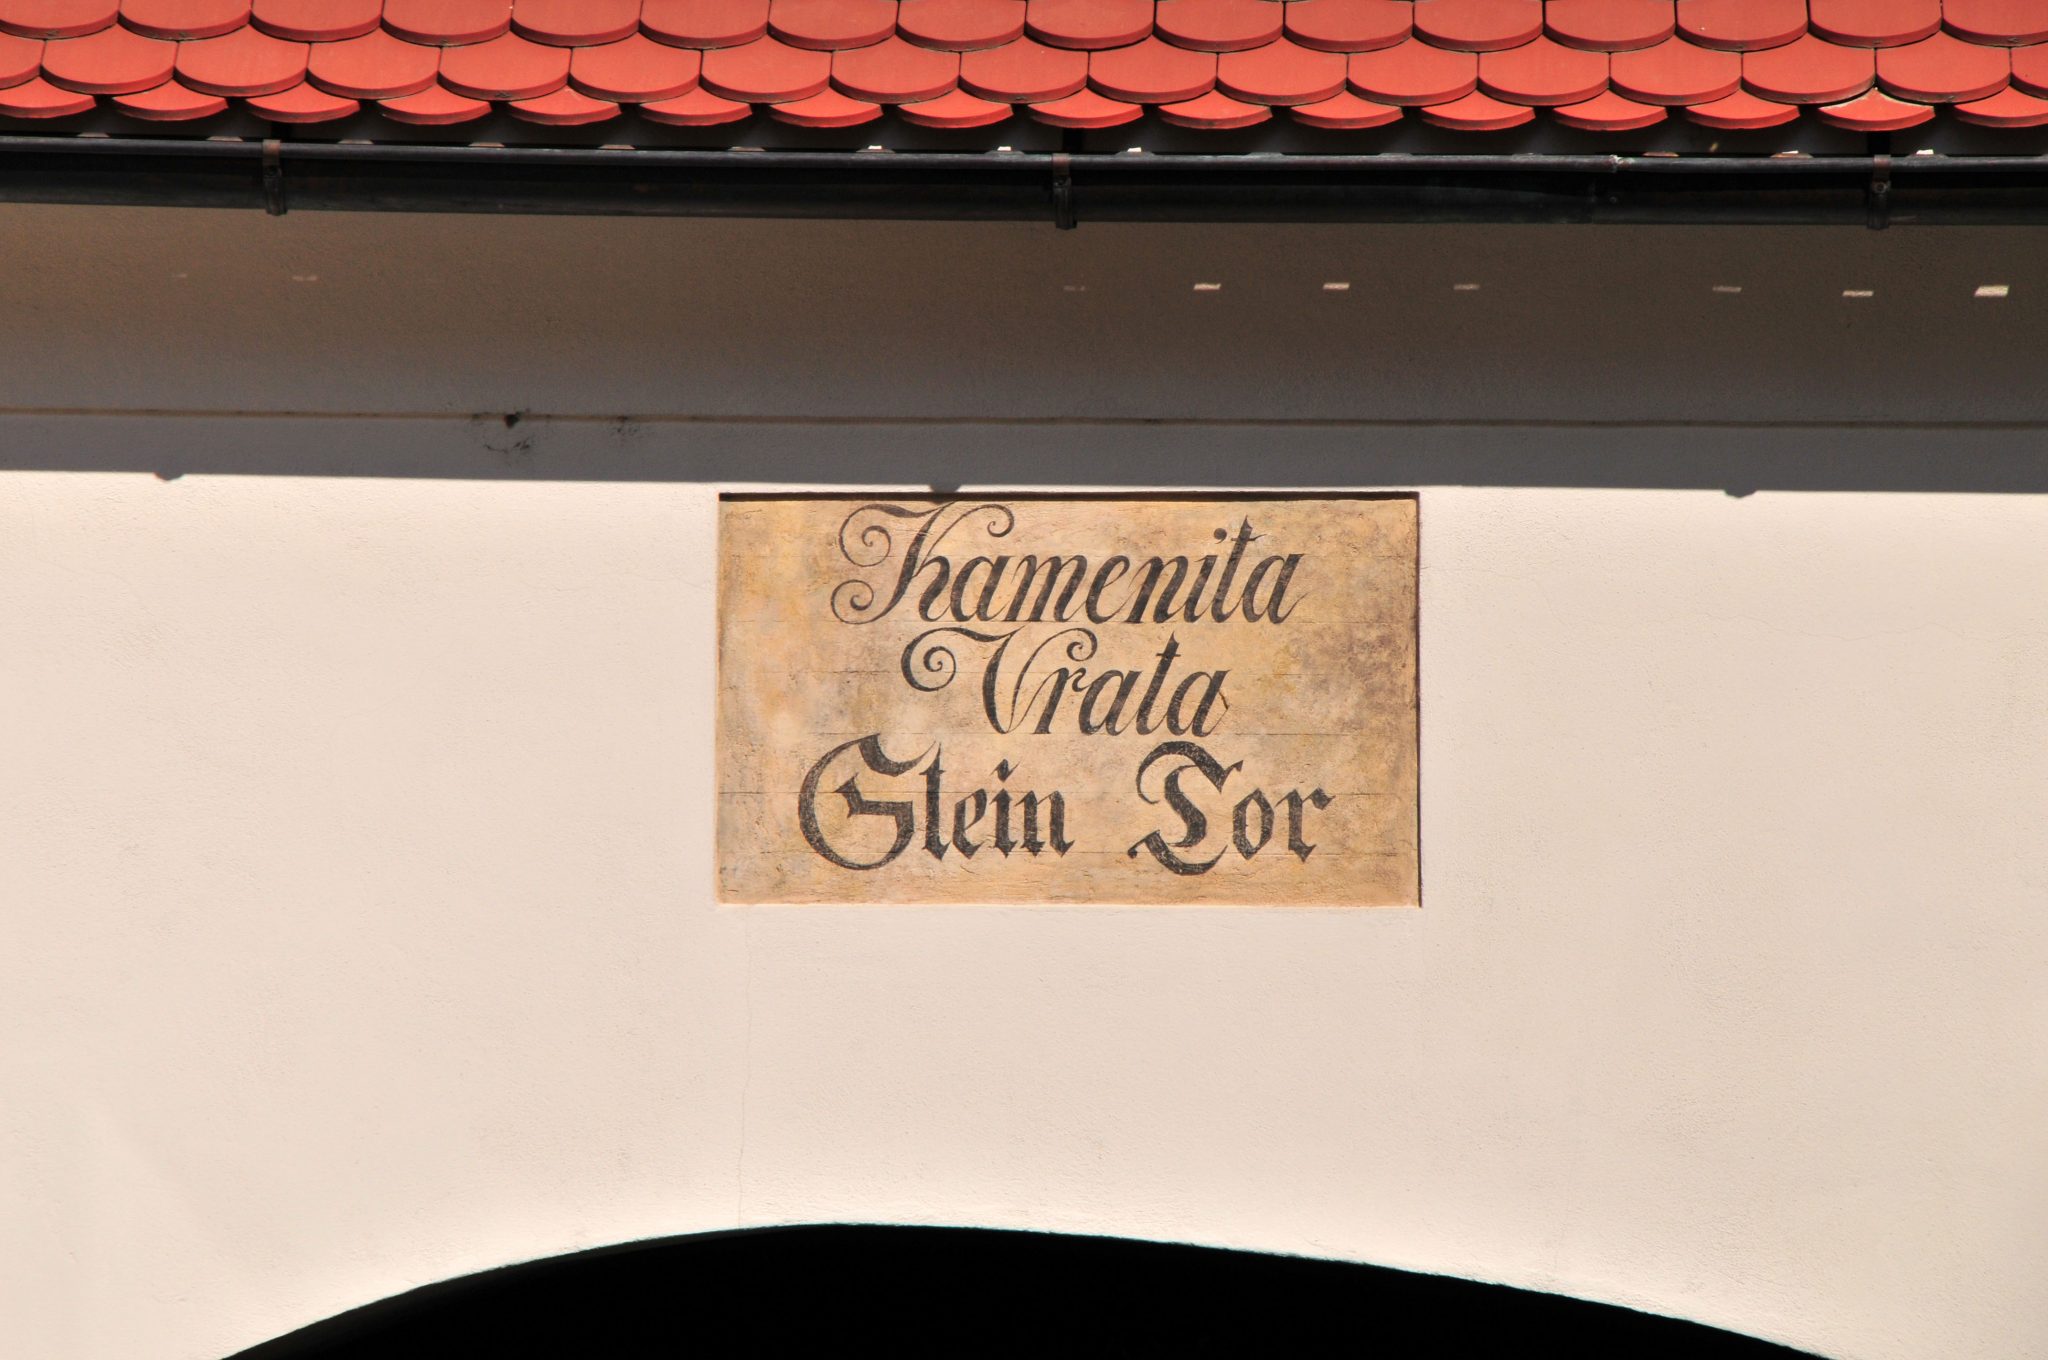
(178, 20)
(306, 103)
(698, 108)
(1089, 24)
(1214, 110)
(241, 64)
(58, 18)
(1742, 25)
(448, 23)
(1610, 25)
(1675, 72)
(1218, 25)
(1024, 72)
(956, 110)
(961, 25)
(832, 25)
(1349, 25)
(576, 23)
(1542, 73)
(1281, 73)
(895, 72)
(1473, 65)
(1610, 112)
(373, 66)
(704, 23)
(2009, 108)
(21, 59)
(111, 61)
(170, 102)
(1346, 112)
(320, 21)
(635, 70)
(2001, 23)
(1414, 74)
(1479, 25)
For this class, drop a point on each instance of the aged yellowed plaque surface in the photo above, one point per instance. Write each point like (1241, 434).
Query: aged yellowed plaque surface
(1075, 699)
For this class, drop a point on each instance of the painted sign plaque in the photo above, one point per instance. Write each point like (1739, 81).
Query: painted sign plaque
(1074, 699)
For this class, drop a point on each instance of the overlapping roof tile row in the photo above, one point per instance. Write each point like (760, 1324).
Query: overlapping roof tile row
(1478, 65)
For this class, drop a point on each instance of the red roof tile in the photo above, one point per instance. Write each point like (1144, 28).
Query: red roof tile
(1214, 110)
(2009, 108)
(508, 67)
(698, 108)
(2029, 69)
(575, 23)
(1218, 25)
(1809, 71)
(1152, 72)
(111, 61)
(243, 63)
(703, 23)
(1475, 65)
(1742, 110)
(435, 106)
(1349, 25)
(766, 71)
(565, 107)
(170, 102)
(1742, 25)
(21, 59)
(306, 103)
(895, 72)
(827, 109)
(1875, 112)
(830, 25)
(1478, 113)
(1610, 25)
(1281, 73)
(960, 25)
(1024, 72)
(1675, 72)
(448, 23)
(1088, 24)
(180, 19)
(1543, 73)
(1874, 23)
(374, 66)
(1479, 25)
(38, 98)
(1086, 110)
(1414, 73)
(1346, 112)
(57, 18)
(1943, 70)
(2008, 23)
(956, 110)
(635, 70)
(316, 20)
(1609, 113)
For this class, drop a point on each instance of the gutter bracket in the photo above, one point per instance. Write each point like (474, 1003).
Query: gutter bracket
(1877, 201)
(1063, 191)
(273, 177)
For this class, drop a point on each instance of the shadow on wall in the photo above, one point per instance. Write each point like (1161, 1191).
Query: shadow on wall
(973, 1291)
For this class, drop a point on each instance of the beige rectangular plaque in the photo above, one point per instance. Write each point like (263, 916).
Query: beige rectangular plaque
(1073, 699)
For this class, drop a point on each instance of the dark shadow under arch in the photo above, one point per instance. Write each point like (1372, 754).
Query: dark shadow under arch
(968, 1291)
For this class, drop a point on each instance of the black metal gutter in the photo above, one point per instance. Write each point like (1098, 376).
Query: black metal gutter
(277, 176)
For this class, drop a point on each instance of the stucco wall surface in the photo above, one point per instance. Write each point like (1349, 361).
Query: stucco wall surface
(359, 895)
(357, 777)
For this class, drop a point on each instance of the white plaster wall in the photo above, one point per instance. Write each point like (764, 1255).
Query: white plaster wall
(355, 882)
(360, 932)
